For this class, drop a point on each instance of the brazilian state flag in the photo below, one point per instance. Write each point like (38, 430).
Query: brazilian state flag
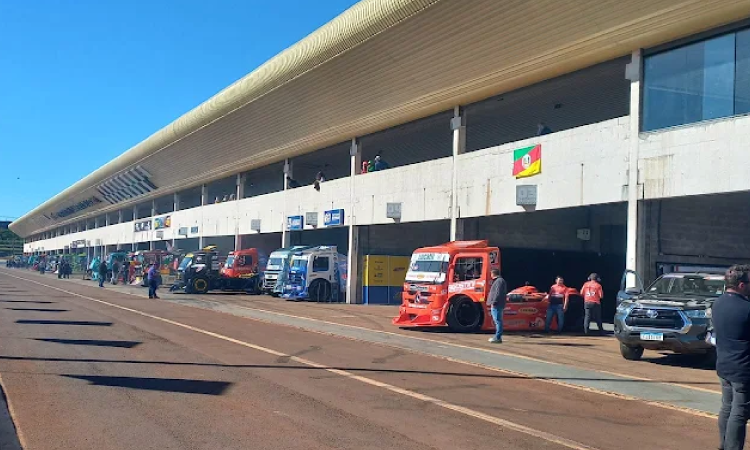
(527, 161)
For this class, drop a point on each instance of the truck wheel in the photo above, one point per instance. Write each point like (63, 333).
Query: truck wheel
(199, 285)
(464, 316)
(320, 291)
(631, 353)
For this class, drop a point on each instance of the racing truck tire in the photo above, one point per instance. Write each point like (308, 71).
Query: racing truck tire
(464, 315)
(320, 291)
(199, 285)
(631, 353)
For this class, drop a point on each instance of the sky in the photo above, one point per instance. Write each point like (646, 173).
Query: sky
(83, 81)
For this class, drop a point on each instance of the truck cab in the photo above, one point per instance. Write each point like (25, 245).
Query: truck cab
(277, 269)
(315, 274)
(447, 285)
(241, 264)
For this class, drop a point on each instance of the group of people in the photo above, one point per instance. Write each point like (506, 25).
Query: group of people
(153, 276)
(558, 298)
(374, 165)
(64, 268)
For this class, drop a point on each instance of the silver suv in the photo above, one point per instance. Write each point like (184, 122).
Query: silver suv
(673, 313)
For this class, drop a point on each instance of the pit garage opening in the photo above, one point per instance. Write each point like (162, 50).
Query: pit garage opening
(537, 246)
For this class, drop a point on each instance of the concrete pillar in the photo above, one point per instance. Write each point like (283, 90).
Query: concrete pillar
(633, 73)
(204, 202)
(135, 212)
(458, 126)
(353, 290)
(106, 220)
(175, 202)
(120, 216)
(286, 236)
(240, 193)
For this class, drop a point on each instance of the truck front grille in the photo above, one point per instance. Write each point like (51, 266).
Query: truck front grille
(296, 279)
(667, 319)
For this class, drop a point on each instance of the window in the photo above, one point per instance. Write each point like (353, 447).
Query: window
(701, 81)
(468, 269)
(320, 264)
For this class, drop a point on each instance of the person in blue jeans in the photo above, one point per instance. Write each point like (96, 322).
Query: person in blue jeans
(558, 304)
(496, 302)
(153, 281)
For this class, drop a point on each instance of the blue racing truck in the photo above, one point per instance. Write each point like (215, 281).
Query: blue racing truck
(317, 274)
(277, 269)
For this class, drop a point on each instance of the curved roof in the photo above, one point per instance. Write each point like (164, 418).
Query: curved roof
(381, 63)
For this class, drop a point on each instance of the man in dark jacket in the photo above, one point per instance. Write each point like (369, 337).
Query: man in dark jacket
(496, 302)
(731, 321)
(102, 272)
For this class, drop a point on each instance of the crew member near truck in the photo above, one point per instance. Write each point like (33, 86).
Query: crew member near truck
(592, 294)
(558, 304)
(496, 302)
(731, 319)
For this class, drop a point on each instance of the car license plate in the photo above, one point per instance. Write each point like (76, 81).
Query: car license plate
(652, 336)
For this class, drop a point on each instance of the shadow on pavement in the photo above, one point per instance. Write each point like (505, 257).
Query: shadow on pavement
(354, 369)
(36, 302)
(686, 361)
(64, 322)
(39, 310)
(8, 434)
(92, 342)
(180, 385)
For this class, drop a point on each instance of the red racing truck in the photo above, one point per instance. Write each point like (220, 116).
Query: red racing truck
(446, 285)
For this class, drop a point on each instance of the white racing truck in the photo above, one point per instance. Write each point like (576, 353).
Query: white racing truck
(317, 274)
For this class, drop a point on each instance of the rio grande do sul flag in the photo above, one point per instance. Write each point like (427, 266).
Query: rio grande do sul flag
(527, 161)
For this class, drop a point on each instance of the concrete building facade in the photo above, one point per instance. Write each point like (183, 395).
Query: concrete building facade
(645, 103)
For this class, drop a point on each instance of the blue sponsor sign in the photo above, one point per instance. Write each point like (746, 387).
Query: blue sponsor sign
(333, 218)
(295, 223)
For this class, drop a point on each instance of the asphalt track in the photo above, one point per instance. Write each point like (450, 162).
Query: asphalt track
(91, 368)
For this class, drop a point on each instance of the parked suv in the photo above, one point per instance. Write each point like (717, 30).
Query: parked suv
(673, 313)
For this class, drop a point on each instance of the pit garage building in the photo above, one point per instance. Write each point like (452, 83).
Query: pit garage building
(642, 159)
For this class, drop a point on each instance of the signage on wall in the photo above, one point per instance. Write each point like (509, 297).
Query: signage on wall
(527, 161)
(81, 243)
(143, 225)
(183, 231)
(311, 218)
(80, 206)
(526, 195)
(255, 225)
(159, 235)
(294, 223)
(393, 210)
(162, 222)
(584, 234)
(333, 218)
(193, 230)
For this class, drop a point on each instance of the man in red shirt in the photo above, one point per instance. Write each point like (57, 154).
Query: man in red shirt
(558, 304)
(592, 294)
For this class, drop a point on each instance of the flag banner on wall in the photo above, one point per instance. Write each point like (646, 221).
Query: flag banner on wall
(527, 161)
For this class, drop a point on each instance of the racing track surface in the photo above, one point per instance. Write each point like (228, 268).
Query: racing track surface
(91, 368)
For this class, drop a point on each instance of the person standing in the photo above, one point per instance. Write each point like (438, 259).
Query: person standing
(731, 320)
(153, 280)
(558, 304)
(496, 301)
(115, 271)
(102, 272)
(592, 294)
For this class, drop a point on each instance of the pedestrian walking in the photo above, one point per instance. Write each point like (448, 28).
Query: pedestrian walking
(731, 321)
(592, 294)
(153, 280)
(558, 304)
(102, 272)
(496, 301)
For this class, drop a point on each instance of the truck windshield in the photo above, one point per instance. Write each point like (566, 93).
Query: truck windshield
(428, 267)
(230, 261)
(689, 285)
(186, 261)
(275, 262)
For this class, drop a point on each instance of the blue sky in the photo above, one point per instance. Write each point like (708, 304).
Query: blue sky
(82, 81)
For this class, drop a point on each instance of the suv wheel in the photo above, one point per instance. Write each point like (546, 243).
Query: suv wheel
(631, 353)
